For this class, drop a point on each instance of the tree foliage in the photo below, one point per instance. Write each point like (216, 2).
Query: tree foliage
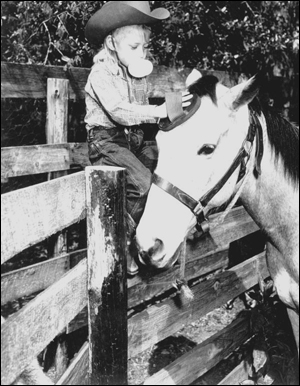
(235, 36)
(241, 36)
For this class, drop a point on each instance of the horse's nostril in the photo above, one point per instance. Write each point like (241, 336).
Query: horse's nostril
(157, 246)
(147, 256)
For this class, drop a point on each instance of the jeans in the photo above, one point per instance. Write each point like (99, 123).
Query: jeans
(125, 147)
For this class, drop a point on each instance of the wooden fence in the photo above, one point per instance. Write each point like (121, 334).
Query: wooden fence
(94, 279)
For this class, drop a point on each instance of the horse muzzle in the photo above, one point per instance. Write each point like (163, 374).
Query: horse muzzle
(156, 257)
(153, 256)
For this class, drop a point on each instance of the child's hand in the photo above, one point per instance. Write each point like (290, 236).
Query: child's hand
(161, 111)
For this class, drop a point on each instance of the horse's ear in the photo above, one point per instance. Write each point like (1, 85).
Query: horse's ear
(243, 93)
(193, 77)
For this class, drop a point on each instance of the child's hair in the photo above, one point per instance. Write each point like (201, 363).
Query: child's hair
(106, 53)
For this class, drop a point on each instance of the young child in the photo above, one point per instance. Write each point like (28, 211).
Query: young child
(117, 106)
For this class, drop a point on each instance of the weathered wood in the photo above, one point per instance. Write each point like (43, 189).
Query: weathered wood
(203, 357)
(81, 320)
(239, 374)
(77, 371)
(61, 356)
(107, 280)
(26, 333)
(194, 362)
(57, 132)
(162, 320)
(32, 214)
(165, 79)
(25, 160)
(57, 110)
(206, 255)
(29, 81)
(37, 277)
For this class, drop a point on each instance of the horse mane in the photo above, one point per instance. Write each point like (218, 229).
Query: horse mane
(283, 135)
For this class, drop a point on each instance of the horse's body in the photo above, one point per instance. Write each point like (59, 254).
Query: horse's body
(196, 154)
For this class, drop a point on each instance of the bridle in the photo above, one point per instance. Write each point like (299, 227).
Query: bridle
(197, 206)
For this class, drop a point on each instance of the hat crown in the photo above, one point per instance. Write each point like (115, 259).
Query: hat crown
(142, 6)
(117, 14)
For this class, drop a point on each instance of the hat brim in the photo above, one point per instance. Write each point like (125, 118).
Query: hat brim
(112, 16)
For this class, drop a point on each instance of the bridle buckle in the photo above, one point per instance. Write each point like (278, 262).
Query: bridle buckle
(198, 209)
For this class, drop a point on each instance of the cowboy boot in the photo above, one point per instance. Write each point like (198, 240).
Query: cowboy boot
(132, 267)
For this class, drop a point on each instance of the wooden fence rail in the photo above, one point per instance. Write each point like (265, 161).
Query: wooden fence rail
(32, 214)
(41, 320)
(30, 81)
(207, 255)
(26, 160)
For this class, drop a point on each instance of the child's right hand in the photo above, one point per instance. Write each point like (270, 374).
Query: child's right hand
(161, 110)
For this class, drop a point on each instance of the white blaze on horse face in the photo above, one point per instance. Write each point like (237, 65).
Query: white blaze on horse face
(164, 219)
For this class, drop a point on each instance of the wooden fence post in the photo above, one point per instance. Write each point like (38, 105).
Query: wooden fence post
(107, 275)
(57, 132)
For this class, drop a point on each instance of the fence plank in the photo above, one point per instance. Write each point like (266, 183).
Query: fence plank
(29, 81)
(37, 277)
(26, 333)
(209, 253)
(32, 214)
(77, 372)
(24, 160)
(239, 374)
(160, 321)
(203, 357)
(107, 280)
(57, 132)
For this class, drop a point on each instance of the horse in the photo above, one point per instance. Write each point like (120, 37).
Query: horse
(227, 147)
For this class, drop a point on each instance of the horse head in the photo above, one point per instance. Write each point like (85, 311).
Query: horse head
(193, 157)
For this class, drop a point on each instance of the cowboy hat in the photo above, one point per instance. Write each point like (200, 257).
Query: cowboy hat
(116, 14)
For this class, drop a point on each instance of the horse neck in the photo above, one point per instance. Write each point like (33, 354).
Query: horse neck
(272, 200)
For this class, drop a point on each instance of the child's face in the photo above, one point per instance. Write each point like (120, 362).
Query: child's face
(131, 45)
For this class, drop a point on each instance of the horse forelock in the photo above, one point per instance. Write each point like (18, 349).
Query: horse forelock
(205, 86)
(284, 138)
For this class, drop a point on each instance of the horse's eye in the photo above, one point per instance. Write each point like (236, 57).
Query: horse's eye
(206, 149)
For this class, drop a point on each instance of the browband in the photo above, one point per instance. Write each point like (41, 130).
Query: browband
(176, 114)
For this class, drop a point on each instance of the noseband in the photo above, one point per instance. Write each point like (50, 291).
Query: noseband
(197, 207)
